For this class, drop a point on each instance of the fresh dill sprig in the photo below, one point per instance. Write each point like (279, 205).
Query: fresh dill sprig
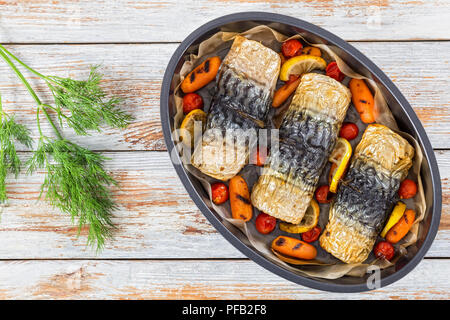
(76, 181)
(87, 104)
(10, 133)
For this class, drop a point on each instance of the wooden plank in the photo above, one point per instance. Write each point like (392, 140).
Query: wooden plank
(191, 280)
(135, 71)
(430, 104)
(156, 219)
(160, 20)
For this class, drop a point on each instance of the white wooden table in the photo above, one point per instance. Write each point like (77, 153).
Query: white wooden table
(164, 247)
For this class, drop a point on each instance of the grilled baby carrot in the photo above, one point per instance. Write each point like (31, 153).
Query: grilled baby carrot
(312, 51)
(285, 91)
(363, 100)
(241, 207)
(401, 228)
(201, 76)
(294, 248)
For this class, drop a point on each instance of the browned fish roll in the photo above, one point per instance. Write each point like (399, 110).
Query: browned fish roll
(245, 88)
(381, 161)
(307, 135)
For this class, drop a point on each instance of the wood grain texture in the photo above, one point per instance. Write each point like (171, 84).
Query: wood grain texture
(191, 280)
(135, 73)
(102, 21)
(156, 218)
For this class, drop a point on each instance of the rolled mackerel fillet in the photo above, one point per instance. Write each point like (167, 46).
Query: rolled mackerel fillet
(381, 161)
(307, 136)
(245, 87)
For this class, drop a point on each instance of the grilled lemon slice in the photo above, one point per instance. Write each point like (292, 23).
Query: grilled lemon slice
(340, 158)
(395, 216)
(309, 221)
(188, 125)
(301, 64)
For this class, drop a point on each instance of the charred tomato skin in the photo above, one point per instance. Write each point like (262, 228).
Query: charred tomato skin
(312, 235)
(192, 101)
(349, 131)
(291, 48)
(264, 223)
(408, 189)
(220, 193)
(384, 250)
(332, 70)
(323, 194)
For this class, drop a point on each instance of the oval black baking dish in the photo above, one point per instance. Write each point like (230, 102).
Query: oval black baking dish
(401, 109)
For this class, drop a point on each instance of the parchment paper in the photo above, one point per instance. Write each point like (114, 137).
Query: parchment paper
(325, 265)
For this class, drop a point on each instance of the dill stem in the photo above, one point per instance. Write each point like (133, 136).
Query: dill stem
(1, 124)
(20, 75)
(43, 108)
(30, 89)
(38, 121)
(1, 110)
(22, 63)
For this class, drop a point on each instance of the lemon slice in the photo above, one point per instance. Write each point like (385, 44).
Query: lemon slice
(301, 64)
(309, 221)
(188, 125)
(395, 216)
(340, 158)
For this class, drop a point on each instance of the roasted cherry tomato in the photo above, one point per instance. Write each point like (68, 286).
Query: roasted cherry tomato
(312, 235)
(349, 131)
(291, 48)
(333, 71)
(323, 194)
(384, 250)
(192, 101)
(408, 189)
(265, 223)
(259, 156)
(220, 192)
